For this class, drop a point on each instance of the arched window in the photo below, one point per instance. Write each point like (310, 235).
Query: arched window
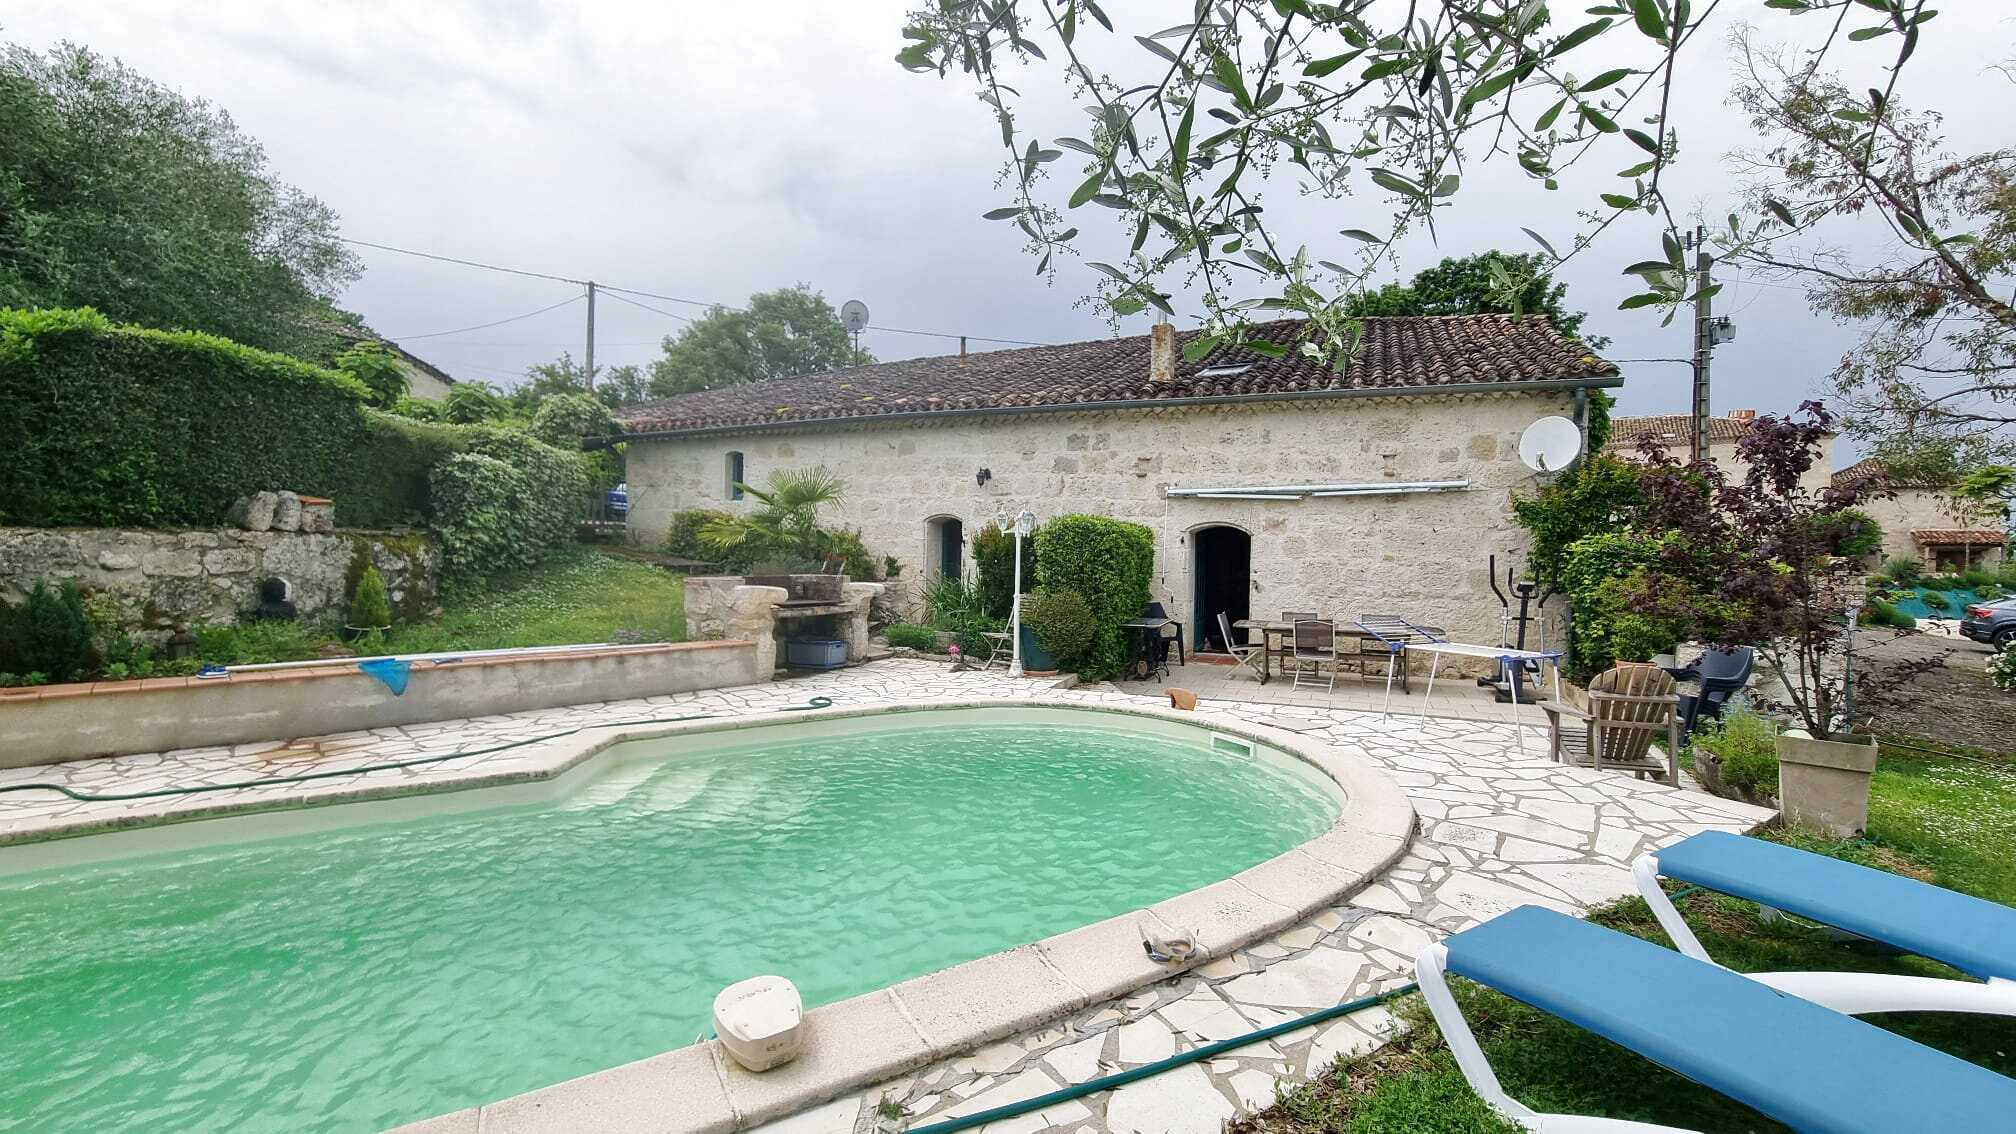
(734, 475)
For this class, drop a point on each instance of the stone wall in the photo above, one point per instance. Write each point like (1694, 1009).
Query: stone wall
(159, 581)
(1423, 556)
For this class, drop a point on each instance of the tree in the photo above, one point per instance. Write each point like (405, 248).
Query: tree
(789, 331)
(621, 386)
(120, 194)
(373, 365)
(1937, 367)
(1359, 97)
(787, 525)
(1490, 283)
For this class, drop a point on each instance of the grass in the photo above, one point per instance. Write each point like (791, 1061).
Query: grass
(1945, 817)
(581, 595)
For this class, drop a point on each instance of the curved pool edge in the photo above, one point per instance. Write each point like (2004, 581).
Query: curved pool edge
(876, 1036)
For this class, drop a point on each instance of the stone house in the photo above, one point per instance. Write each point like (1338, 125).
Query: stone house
(1925, 522)
(1674, 432)
(1271, 484)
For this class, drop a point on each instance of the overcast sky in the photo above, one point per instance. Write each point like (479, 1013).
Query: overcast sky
(708, 151)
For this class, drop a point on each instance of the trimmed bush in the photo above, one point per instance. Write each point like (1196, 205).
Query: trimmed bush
(682, 537)
(1937, 600)
(994, 561)
(370, 607)
(1062, 622)
(912, 637)
(1978, 578)
(1110, 563)
(114, 426)
(49, 634)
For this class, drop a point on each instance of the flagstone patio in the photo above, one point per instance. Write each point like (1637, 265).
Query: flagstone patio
(1497, 829)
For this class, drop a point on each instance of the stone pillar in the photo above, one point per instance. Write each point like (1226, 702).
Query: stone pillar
(752, 617)
(860, 597)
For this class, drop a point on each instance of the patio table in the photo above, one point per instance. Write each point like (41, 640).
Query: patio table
(1503, 655)
(1146, 629)
(1269, 629)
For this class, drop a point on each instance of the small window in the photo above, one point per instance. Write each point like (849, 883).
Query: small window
(735, 477)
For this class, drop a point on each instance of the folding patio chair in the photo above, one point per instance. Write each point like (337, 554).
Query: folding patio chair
(999, 648)
(1809, 1067)
(1250, 656)
(1315, 643)
(1974, 936)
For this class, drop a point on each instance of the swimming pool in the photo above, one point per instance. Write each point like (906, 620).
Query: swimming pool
(399, 961)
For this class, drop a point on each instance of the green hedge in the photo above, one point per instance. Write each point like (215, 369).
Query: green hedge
(1110, 563)
(108, 425)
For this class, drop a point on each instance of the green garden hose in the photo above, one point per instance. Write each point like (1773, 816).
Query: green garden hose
(330, 773)
(1146, 1070)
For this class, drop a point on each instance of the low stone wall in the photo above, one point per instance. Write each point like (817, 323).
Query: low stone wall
(160, 581)
(51, 723)
(729, 606)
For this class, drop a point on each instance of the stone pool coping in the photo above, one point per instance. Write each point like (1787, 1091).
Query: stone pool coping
(869, 1038)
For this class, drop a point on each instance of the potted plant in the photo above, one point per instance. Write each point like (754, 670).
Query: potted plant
(1057, 629)
(1761, 561)
(370, 607)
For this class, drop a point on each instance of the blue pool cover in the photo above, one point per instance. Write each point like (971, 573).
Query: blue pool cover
(1806, 1066)
(1972, 935)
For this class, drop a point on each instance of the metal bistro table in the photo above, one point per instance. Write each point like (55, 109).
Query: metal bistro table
(1285, 630)
(1504, 656)
(1148, 633)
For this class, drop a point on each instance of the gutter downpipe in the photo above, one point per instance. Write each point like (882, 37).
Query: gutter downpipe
(1526, 386)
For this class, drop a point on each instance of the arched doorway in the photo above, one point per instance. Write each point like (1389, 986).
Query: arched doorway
(1221, 562)
(945, 547)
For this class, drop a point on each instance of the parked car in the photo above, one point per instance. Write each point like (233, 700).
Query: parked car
(1991, 622)
(619, 501)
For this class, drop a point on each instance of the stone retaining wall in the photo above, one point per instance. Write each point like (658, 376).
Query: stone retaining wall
(161, 581)
(51, 723)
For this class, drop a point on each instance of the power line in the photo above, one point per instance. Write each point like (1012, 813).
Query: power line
(603, 287)
(464, 263)
(655, 310)
(480, 326)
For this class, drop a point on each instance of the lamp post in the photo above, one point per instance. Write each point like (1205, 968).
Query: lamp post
(1025, 522)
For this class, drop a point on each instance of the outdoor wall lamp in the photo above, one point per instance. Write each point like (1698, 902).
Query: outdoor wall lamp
(983, 476)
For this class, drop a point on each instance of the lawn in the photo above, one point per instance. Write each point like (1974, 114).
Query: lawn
(580, 595)
(1948, 818)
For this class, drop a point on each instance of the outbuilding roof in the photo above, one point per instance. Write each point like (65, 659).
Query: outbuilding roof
(1958, 537)
(1674, 429)
(1402, 354)
(1870, 470)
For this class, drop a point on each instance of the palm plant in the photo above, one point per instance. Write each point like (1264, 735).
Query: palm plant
(787, 524)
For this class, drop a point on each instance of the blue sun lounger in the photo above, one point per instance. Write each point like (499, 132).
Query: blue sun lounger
(1975, 936)
(1809, 1067)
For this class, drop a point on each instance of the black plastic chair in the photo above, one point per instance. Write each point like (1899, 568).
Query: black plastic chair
(1721, 674)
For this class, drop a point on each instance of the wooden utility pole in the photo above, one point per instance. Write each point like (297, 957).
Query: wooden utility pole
(1704, 341)
(590, 374)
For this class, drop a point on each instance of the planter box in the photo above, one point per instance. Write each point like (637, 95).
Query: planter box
(1824, 784)
(1035, 658)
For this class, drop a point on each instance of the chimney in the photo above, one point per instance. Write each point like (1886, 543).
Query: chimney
(1742, 415)
(1162, 354)
(962, 350)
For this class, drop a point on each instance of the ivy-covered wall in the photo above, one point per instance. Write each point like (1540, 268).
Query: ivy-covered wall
(109, 425)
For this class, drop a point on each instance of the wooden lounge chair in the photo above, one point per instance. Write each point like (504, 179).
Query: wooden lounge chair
(1624, 708)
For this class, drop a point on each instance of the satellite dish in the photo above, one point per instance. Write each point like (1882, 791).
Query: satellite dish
(854, 316)
(1550, 444)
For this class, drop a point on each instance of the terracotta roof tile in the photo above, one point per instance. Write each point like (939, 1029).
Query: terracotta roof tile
(1870, 470)
(1671, 428)
(1399, 353)
(1957, 537)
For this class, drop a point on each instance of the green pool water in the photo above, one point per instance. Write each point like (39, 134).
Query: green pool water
(359, 976)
